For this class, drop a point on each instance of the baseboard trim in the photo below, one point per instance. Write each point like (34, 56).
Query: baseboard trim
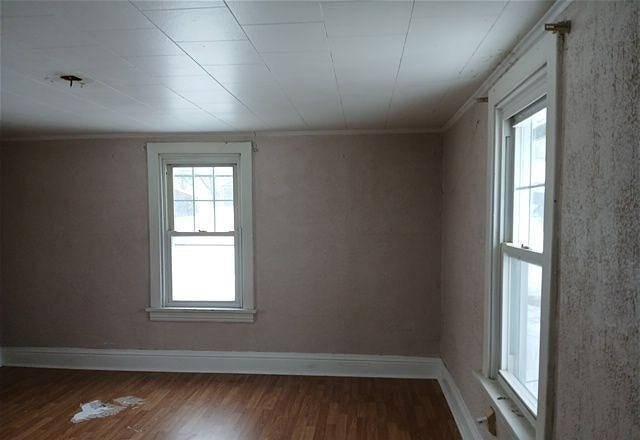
(321, 364)
(466, 424)
(307, 364)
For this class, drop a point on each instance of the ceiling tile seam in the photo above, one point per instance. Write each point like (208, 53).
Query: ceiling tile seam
(268, 68)
(201, 67)
(395, 81)
(333, 67)
(183, 9)
(279, 22)
(179, 42)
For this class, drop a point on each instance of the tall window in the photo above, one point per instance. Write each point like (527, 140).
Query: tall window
(517, 363)
(522, 251)
(201, 231)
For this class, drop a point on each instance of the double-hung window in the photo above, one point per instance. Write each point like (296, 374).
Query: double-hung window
(522, 167)
(201, 231)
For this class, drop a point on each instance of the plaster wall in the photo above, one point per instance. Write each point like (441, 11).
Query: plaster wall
(598, 334)
(347, 247)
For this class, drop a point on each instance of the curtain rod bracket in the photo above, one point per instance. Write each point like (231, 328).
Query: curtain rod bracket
(561, 27)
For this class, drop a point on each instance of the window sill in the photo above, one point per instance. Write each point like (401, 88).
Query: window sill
(518, 424)
(200, 314)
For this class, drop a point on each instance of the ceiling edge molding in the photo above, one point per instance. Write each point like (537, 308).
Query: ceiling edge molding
(243, 135)
(530, 39)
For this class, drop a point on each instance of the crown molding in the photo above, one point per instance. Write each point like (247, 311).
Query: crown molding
(221, 136)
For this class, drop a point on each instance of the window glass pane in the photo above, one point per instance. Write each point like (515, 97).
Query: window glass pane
(538, 146)
(522, 289)
(224, 188)
(224, 171)
(182, 186)
(528, 181)
(204, 216)
(522, 154)
(521, 216)
(182, 171)
(203, 187)
(183, 216)
(203, 269)
(224, 217)
(536, 214)
(203, 171)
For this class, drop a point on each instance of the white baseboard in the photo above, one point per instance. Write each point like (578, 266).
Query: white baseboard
(308, 364)
(320, 364)
(466, 424)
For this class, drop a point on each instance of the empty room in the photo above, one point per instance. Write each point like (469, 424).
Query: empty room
(320, 220)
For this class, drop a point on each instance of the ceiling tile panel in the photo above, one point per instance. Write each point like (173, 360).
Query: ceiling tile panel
(41, 32)
(208, 24)
(452, 11)
(293, 37)
(359, 18)
(222, 52)
(241, 73)
(167, 65)
(104, 15)
(137, 42)
(269, 12)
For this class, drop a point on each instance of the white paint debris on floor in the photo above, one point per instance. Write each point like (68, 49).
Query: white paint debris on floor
(97, 409)
(129, 401)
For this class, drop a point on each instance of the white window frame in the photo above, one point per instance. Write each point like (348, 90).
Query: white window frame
(162, 156)
(529, 79)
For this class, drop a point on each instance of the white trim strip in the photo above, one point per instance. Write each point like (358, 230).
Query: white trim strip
(200, 314)
(466, 424)
(222, 136)
(320, 364)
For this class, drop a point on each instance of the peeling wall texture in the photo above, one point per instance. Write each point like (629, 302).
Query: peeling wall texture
(598, 365)
(347, 247)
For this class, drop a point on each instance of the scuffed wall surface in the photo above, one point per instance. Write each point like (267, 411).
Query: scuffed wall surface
(347, 247)
(598, 373)
(463, 251)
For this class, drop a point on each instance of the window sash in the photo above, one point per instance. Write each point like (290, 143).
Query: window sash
(527, 403)
(169, 162)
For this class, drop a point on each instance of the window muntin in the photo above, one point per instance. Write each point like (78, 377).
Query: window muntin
(522, 251)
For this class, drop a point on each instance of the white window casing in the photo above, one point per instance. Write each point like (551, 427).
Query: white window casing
(531, 78)
(161, 159)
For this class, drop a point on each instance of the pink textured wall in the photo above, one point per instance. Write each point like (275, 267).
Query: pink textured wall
(347, 247)
(464, 215)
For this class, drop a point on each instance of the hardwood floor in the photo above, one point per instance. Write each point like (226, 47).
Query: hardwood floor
(39, 403)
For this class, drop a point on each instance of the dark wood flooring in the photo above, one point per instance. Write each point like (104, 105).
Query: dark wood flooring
(39, 403)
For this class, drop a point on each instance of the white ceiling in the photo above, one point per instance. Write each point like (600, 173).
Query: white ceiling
(207, 66)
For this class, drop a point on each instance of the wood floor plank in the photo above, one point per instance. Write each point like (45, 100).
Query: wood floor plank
(39, 403)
